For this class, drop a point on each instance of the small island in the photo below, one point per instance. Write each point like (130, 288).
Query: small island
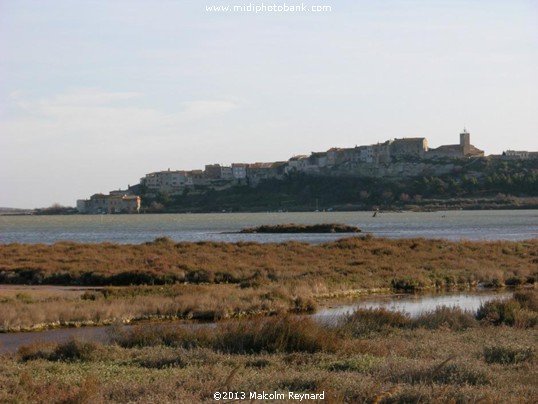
(303, 228)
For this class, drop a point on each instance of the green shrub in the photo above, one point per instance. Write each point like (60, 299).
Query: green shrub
(452, 317)
(258, 363)
(445, 373)
(279, 334)
(498, 312)
(161, 361)
(304, 305)
(508, 312)
(155, 335)
(365, 321)
(34, 351)
(407, 285)
(74, 350)
(508, 354)
(528, 299)
(361, 364)
(458, 373)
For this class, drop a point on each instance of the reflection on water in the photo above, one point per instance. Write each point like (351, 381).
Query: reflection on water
(414, 304)
(10, 342)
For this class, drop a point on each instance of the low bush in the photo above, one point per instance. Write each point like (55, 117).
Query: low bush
(278, 334)
(74, 350)
(365, 321)
(161, 361)
(444, 373)
(459, 373)
(451, 317)
(407, 285)
(361, 363)
(34, 351)
(70, 351)
(258, 363)
(508, 312)
(175, 335)
(508, 354)
(528, 299)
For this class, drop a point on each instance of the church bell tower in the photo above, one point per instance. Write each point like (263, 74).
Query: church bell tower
(465, 142)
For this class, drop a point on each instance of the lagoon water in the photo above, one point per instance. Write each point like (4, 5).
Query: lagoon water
(133, 229)
(414, 305)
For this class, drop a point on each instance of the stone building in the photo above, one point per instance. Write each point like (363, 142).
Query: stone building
(113, 203)
(461, 150)
(174, 181)
(409, 147)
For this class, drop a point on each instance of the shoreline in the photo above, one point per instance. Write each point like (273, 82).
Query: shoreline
(323, 302)
(433, 205)
(326, 303)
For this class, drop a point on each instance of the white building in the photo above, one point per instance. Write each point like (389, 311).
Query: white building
(239, 171)
(167, 181)
(517, 154)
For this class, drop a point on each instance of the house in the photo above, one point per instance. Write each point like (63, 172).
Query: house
(167, 181)
(318, 160)
(262, 171)
(297, 163)
(332, 156)
(409, 147)
(514, 154)
(112, 203)
(218, 172)
(212, 171)
(239, 171)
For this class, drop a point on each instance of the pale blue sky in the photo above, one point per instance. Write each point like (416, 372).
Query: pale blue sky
(94, 94)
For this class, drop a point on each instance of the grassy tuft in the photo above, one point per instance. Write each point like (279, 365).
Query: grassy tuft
(508, 312)
(447, 317)
(276, 334)
(365, 321)
(508, 354)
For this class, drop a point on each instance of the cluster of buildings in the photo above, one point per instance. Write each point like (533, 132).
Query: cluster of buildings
(115, 202)
(397, 157)
(331, 162)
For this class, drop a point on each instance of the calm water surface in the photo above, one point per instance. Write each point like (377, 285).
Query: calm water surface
(414, 305)
(451, 225)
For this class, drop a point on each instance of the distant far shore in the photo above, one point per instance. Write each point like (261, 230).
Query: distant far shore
(432, 205)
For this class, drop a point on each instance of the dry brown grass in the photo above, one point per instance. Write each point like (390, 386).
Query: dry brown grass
(353, 262)
(130, 304)
(167, 364)
(212, 281)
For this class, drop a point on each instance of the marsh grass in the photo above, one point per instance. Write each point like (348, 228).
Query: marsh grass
(157, 364)
(212, 281)
(453, 318)
(406, 263)
(444, 355)
(510, 312)
(274, 335)
(508, 354)
(69, 351)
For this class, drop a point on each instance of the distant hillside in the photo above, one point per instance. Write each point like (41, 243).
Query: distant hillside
(485, 184)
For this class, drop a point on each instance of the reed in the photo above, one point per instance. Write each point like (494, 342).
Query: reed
(211, 281)
(159, 364)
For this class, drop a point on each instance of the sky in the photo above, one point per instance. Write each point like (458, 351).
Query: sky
(94, 94)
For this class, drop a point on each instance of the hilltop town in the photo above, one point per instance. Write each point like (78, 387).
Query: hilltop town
(394, 159)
